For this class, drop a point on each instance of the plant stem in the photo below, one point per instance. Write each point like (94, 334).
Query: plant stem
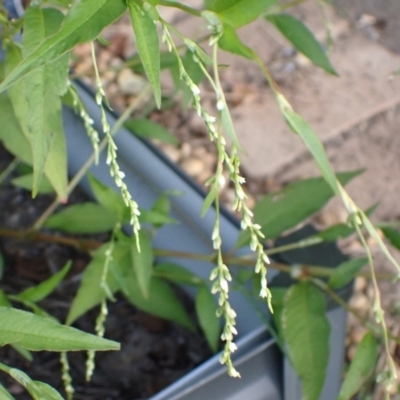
(312, 241)
(89, 245)
(79, 175)
(10, 168)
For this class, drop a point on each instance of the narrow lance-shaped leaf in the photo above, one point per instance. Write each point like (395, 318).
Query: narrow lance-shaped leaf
(42, 91)
(361, 367)
(311, 140)
(150, 129)
(238, 13)
(278, 297)
(26, 182)
(4, 394)
(83, 23)
(161, 301)
(177, 274)
(148, 46)
(306, 332)
(90, 292)
(11, 133)
(41, 291)
(142, 262)
(393, 236)
(55, 168)
(16, 92)
(302, 39)
(4, 302)
(231, 42)
(206, 309)
(38, 390)
(83, 219)
(39, 333)
(345, 272)
(109, 198)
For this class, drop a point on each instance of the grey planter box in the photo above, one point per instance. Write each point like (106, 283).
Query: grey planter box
(265, 373)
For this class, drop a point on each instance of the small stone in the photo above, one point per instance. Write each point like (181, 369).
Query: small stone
(130, 83)
(116, 62)
(118, 44)
(360, 302)
(302, 61)
(371, 292)
(193, 166)
(360, 284)
(107, 77)
(172, 152)
(186, 150)
(84, 67)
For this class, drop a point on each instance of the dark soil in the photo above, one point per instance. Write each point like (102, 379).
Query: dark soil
(154, 353)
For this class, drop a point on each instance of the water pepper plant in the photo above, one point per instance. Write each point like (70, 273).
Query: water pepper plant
(35, 83)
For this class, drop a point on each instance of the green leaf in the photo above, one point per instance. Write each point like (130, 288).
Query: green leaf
(306, 332)
(228, 126)
(393, 236)
(192, 67)
(161, 301)
(83, 219)
(42, 91)
(155, 218)
(11, 133)
(150, 129)
(83, 23)
(302, 39)
(238, 13)
(109, 198)
(90, 292)
(211, 196)
(282, 210)
(17, 91)
(39, 333)
(41, 291)
(4, 394)
(163, 203)
(277, 301)
(167, 60)
(361, 367)
(26, 182)
(38, 390)
(345, 272)
(148, 46)
(231, 42)
(37, 103)
(206, 309)
(336, 232)
(176, 274)
(4, 302)
(142, 262)
(312, 141)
